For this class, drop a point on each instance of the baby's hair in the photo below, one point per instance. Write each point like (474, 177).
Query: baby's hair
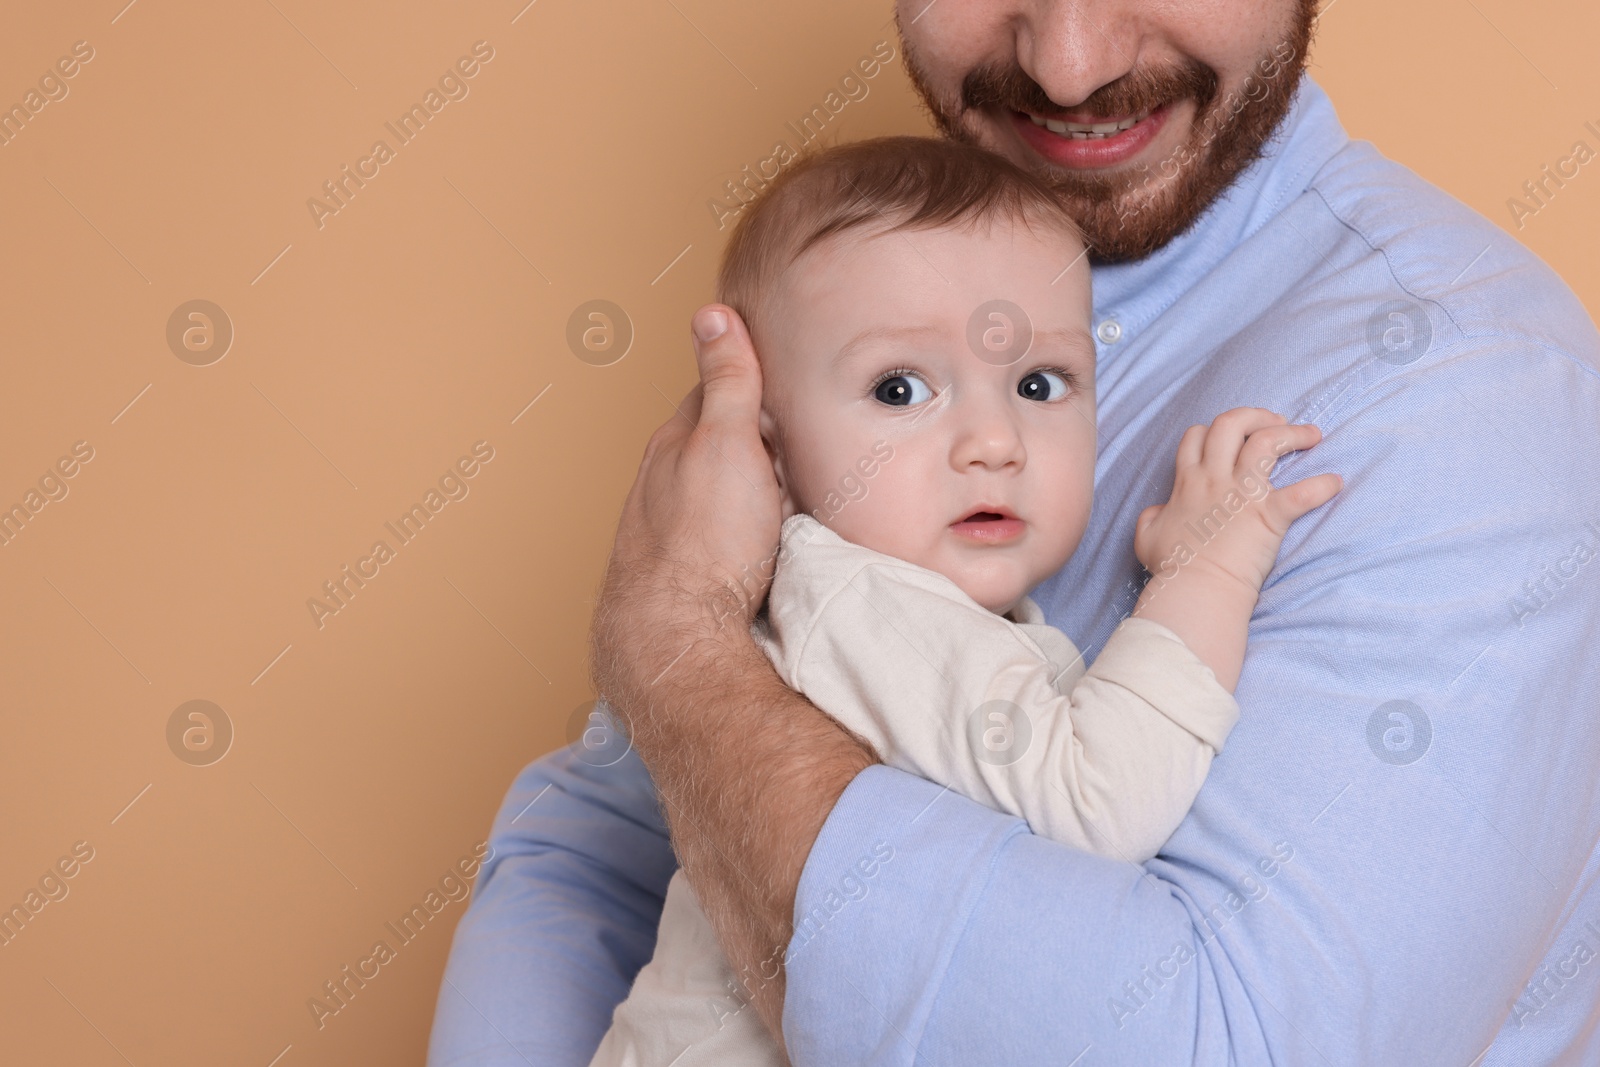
(894, 183)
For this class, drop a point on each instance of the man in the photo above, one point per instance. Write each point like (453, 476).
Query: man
(1392, 861)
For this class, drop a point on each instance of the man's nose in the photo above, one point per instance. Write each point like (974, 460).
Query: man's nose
(1073, 47)
(987, 436)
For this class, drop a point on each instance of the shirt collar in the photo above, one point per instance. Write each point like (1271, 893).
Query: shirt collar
(1133, 294)
(1027, 610)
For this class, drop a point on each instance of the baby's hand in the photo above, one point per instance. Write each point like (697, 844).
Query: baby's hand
(1225, 519)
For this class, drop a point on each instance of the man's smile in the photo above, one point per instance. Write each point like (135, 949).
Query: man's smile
(1090, 142)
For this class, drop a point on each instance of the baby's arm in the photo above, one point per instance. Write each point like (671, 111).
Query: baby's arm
(1209, 549)
(952, 692)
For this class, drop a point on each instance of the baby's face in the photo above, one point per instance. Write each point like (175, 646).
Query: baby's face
(881, 344)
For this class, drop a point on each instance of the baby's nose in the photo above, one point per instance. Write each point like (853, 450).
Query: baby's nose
(989, 439)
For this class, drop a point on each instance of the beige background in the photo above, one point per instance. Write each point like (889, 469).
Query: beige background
(369, 755)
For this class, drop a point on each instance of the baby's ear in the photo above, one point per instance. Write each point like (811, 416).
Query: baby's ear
(770, 439)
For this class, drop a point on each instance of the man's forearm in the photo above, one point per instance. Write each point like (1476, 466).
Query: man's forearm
(747, 777)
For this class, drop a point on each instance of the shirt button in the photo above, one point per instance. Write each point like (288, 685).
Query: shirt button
(1109, 332)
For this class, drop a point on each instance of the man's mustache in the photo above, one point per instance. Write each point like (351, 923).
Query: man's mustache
(1005, 85)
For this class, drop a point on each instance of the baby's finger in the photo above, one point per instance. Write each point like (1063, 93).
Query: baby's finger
(1146, 517)
(1228, 433)
(1191, 446)
(1263, 448)
(1292, 501)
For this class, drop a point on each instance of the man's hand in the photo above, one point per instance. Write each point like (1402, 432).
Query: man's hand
(700, 526)
(747, 770)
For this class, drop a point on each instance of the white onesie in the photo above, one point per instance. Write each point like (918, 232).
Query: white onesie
(999, 709)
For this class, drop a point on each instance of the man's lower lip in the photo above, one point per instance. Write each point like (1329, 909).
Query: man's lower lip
(994, 532)
(1094, 153)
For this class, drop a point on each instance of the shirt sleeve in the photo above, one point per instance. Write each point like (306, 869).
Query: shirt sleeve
(1396, 832)
(563, 916)
(1108, 761)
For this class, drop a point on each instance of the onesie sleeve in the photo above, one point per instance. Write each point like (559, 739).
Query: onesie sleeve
(1107, 760)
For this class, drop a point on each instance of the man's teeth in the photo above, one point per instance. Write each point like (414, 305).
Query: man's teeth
(1089, 131)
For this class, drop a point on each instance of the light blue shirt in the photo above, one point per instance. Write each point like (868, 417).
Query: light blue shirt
(1393, 860)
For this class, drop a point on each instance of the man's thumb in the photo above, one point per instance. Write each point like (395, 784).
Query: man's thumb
(729, 372)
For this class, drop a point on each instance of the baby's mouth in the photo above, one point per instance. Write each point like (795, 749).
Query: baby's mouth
(988, 527)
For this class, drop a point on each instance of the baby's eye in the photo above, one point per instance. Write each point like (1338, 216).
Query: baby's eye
(1042, 385)
(902, 390)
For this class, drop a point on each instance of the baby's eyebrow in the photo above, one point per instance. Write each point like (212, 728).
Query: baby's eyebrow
(1072, 337)
(883, 333)
(1068, 336)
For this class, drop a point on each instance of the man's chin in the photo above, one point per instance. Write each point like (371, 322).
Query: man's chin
(1133, 214)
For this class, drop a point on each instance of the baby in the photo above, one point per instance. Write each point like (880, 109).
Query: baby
(922, 313)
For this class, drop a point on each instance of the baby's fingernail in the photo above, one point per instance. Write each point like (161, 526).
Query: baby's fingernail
(710, 325)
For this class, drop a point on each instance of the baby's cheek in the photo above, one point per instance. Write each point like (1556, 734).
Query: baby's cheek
(865, 521)
(882, 519)
(1061, 527)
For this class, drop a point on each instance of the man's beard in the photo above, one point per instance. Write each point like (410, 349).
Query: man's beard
(1130, 215)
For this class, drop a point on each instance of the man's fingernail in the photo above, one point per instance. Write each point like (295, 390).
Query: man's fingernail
(710, 325)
